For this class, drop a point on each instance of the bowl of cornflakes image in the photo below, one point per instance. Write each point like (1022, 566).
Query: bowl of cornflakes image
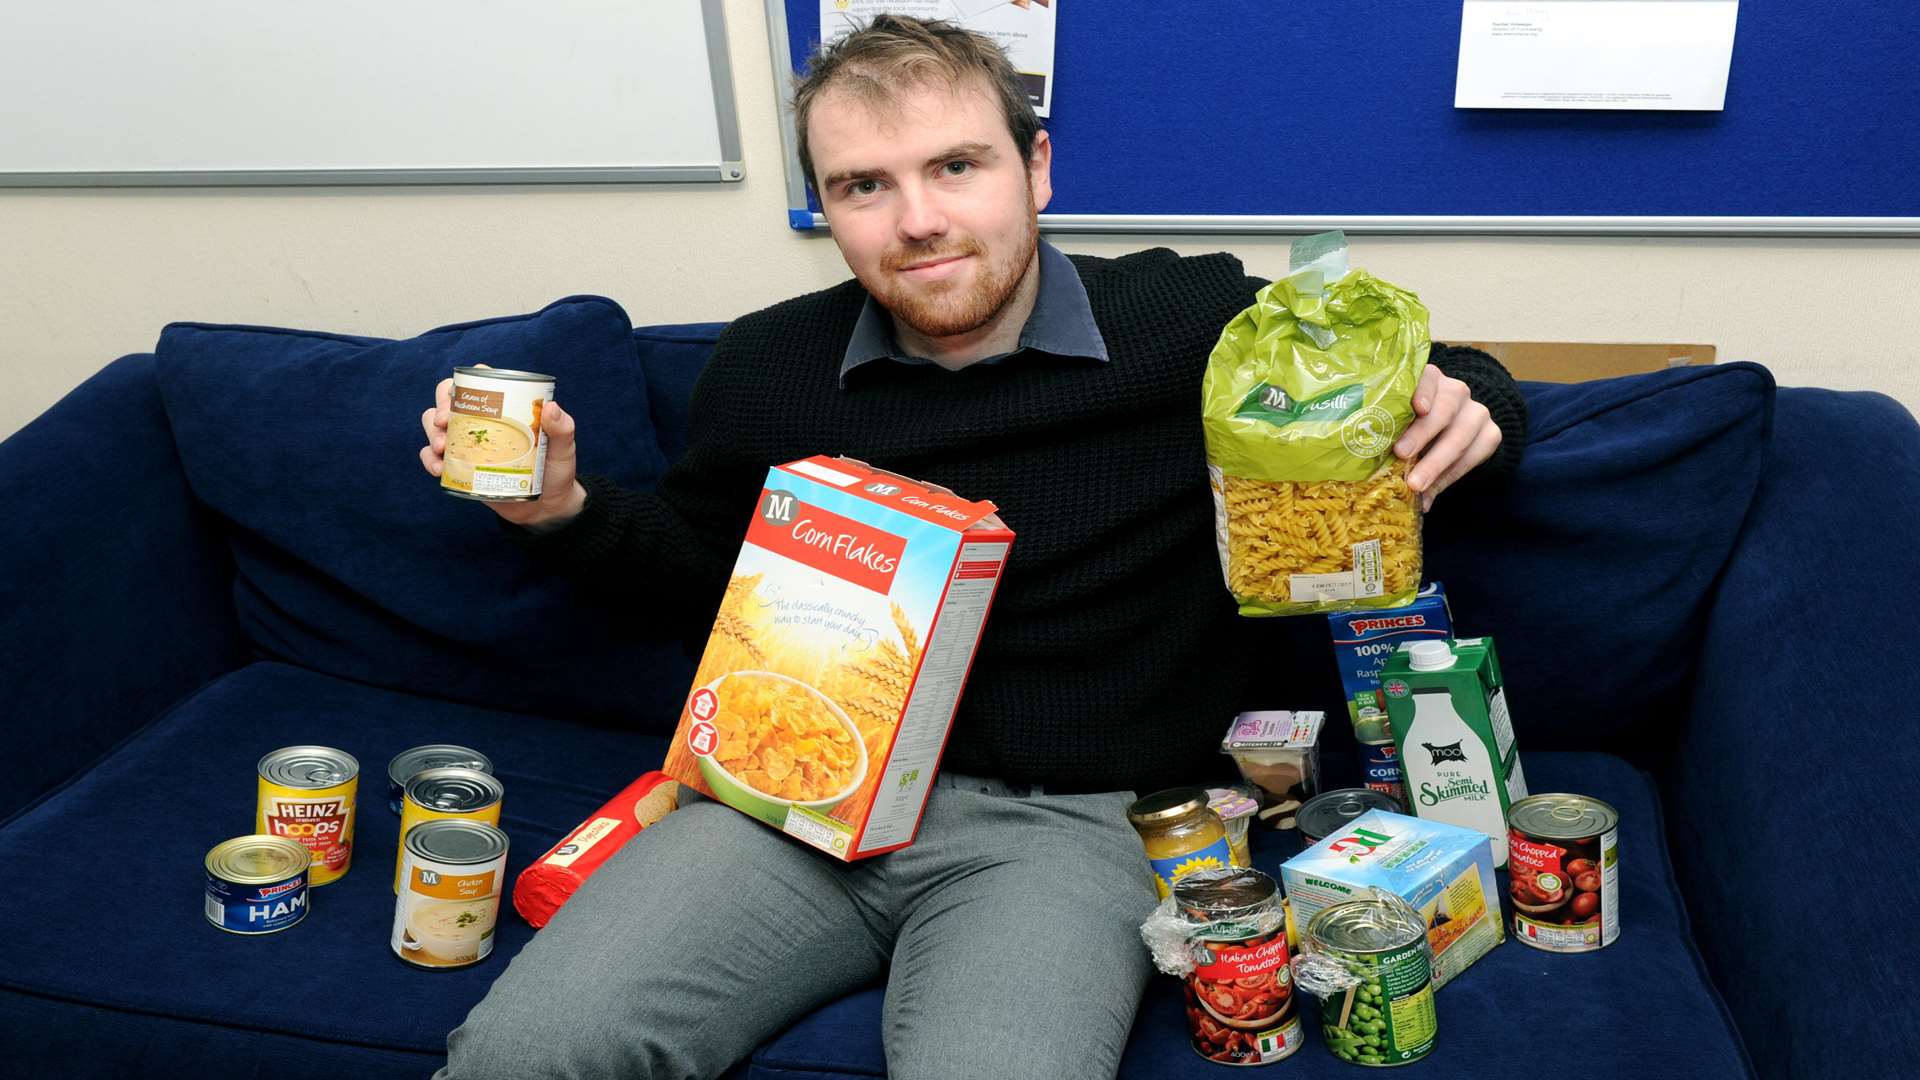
(780, 743)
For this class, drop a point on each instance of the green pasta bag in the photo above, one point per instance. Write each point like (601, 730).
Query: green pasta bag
(1303, 398)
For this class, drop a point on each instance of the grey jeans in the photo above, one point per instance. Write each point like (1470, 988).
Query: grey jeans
(1008, 935)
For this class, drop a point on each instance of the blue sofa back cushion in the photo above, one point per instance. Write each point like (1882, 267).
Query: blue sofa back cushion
(672, 357)
(351, 560)
(1592, 568)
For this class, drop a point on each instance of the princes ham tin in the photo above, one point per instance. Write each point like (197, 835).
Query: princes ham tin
(496, 450)
(257, 884)
(1564, 862)
(307, 795)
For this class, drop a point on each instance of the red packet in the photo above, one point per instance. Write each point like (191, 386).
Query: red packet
(546, 885)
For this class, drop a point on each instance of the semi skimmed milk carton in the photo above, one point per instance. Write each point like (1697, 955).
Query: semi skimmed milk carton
(1443, 871)
(823, 699)
(1448, 708)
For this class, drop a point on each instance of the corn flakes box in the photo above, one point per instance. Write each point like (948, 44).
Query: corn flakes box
(824, 696)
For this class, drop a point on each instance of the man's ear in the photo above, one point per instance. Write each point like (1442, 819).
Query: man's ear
(1040, 170)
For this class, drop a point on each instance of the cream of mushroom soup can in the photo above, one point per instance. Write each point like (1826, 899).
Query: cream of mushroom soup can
(257, 884)
(496, 448)
(446, 793)
(307, 795)
(453, 873)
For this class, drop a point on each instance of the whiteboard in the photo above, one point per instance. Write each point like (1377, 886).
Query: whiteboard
(112, 92)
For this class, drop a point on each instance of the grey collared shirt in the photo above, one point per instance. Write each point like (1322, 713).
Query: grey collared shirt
(1061, 323)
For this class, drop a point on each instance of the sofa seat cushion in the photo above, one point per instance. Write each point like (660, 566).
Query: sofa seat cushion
(1642, 1003)
(140, 825)
(351, 561)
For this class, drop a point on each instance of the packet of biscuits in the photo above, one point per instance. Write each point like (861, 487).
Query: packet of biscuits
(1303, 397)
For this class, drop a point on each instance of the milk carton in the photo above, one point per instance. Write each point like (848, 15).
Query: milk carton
(1448, 709)
(823, 699)
(1444, 872)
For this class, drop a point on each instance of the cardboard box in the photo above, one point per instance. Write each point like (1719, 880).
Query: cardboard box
(1578, 361)
(1445, 872)
(824, 696)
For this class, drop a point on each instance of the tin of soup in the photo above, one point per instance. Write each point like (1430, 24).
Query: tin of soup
(454, 872)
(409, 763)
(307, 794)
(496, 449)
(446, 793)
(257, 884)
(1240, 995)
(1388, 1018)
(1329, 811)
(1563, 862)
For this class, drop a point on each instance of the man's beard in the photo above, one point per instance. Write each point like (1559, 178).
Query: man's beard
(944, 310)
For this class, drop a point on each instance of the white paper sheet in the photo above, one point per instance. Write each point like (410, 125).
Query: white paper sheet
(1024, 28)
(1595, 54)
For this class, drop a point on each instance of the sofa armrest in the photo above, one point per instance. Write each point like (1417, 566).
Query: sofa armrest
(115, 587)
(1791, 802)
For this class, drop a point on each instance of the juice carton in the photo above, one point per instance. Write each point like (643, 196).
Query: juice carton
(1362, 641)
(823, 699)
(1448, 709)
(1443, 871)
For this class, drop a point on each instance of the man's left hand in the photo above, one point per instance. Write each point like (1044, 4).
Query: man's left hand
(1451, 433)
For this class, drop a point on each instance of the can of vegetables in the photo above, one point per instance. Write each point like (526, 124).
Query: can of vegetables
(1563, 860)
(1240, 994)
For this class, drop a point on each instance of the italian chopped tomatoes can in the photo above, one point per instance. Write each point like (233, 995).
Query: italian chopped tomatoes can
(1239, 996)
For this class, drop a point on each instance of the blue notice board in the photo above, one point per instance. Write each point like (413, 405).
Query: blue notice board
(1250, 116)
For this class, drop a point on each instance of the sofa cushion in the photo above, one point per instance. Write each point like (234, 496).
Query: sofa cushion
(142, 822)
(350, 559)
(1644, 1001)
(672, 357)
(1608, 541)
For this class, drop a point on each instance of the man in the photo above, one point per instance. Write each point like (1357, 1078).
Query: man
(967, 353)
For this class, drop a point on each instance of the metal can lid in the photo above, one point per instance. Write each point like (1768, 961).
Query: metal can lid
(1559, 816)
(258, 860)
(308, 767)
(502, 373)
(1330, 811)
(457, 841)
(1162, 807)
(1362, 926)
(454, 790)
(1227, 893)
(410, 763)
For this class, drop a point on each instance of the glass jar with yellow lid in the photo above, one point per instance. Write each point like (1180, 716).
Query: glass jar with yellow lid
(1181, 833)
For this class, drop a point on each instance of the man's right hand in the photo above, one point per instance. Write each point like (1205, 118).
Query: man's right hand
(561, 496)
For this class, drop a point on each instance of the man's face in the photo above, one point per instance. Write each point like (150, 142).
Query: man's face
(929, 201)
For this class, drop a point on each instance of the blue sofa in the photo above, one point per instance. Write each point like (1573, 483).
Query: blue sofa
(1703, 589)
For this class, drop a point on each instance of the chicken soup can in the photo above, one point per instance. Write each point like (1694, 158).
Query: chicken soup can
(454, 871)
(1563, 866)
(496, 449)
(446, 793)
(410, 763)
(1387, 1017)
(257, 884)
(307, 795)
(1240, 995)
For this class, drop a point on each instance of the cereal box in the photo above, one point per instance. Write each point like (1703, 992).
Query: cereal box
(836, 661)
(1444, 871)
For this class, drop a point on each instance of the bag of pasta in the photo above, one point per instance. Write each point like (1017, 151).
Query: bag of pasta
(1303, 398)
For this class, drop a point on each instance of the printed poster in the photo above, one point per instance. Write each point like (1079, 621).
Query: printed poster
(1024, 28)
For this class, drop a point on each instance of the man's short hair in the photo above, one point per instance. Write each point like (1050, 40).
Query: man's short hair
(895, 52)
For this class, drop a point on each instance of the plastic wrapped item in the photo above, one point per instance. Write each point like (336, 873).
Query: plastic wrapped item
(1236, 804)
(1278, 752)
(1223, 932)
(551, 881)
(1369, 963)
(1303, 397)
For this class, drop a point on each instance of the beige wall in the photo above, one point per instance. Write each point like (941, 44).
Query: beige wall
(86, 275)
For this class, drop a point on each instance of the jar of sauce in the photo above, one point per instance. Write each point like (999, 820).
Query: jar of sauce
(1181, 833)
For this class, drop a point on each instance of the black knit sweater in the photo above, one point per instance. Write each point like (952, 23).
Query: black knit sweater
(1113, 657)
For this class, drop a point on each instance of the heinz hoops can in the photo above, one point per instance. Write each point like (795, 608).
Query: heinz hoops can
(307, 795)
(257, 884)
(1563, 862)
(445, 914)
(446, 793)
(496, 449)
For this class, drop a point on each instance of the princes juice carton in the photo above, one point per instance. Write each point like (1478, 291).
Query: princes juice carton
(823, 699)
